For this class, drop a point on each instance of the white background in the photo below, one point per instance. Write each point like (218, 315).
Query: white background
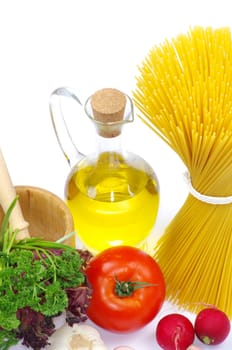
(87, 45)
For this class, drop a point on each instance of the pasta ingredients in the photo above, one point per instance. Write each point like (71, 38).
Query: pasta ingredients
(212, 326)
(77, 337)
(174, 332)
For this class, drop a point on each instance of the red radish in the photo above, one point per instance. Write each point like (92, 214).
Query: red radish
(174, 332)
(212, 326)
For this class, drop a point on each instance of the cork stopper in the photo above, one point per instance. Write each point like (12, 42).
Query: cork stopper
(108, 106)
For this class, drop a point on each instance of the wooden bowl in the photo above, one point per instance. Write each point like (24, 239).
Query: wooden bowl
(47, 214)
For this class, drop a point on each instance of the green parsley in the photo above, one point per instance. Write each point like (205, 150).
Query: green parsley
(33, 273)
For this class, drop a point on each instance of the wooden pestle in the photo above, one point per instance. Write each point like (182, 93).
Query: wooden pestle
(7, 195)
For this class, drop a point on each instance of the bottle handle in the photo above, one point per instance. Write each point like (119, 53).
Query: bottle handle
(62, 133)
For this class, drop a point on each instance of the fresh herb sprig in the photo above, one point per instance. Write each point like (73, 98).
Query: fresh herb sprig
(38, 280)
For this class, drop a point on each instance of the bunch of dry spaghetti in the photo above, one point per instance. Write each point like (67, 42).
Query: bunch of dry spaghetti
(184, 94)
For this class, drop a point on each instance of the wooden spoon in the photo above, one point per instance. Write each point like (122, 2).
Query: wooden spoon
(7, 195)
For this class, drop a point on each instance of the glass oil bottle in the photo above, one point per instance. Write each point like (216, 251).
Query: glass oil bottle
(113, 194)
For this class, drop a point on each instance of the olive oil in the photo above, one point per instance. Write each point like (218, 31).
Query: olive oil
(114, 201)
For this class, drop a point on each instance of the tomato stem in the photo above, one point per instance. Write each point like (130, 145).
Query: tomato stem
(127, 288)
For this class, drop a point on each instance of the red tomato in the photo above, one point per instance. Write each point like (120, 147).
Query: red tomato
(128, 289)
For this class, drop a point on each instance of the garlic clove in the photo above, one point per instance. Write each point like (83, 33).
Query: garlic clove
(77, 337)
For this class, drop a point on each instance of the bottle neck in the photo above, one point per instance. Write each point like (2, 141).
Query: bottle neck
(109, 144)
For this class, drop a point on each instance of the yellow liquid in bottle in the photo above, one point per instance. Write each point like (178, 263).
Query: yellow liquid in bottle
(112, 205)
